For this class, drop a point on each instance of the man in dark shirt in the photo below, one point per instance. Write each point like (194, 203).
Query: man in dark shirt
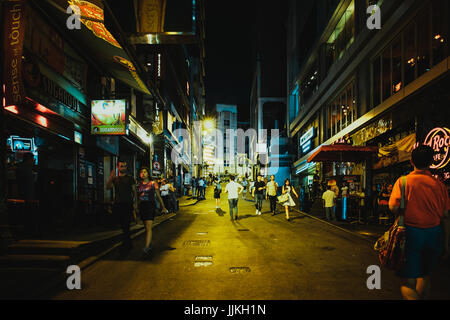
(260, 185)
(25, 178)
(125, 199)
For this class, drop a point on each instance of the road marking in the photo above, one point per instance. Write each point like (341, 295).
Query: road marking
(203, 263)
(203, 258)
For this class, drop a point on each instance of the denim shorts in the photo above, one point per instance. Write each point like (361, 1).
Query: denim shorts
(423, 249)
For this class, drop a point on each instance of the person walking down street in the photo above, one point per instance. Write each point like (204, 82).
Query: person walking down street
(233, 189)
(201, 186)
(26, 191)
(287, 189)
(217, 192)
(147, 192)
(166, 188)
(383, 202)
(125, 202)
(329, 200)
(426, 219)
(260, 185)
(271, 193)
(245, 185)
(194, 187)
(173, 197)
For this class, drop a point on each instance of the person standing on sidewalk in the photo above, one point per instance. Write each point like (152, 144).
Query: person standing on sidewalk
(217, 191)
(260, 185)
(147, 192)
(271, 192)
(329, 199)
(125, 203)
(287, 189)
(233, 189)
(426, 218)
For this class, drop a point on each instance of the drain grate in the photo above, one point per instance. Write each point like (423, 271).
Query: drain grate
(196, 243)
(239, 269)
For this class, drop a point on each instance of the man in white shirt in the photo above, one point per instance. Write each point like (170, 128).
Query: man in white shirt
(233, 189)
(328, 203)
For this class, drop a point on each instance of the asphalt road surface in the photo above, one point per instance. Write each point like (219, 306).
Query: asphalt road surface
(201, 254)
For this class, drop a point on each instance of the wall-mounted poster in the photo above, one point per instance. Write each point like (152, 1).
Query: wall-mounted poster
(108, 117)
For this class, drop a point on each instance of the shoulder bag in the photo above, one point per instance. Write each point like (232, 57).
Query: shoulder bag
(391, 246)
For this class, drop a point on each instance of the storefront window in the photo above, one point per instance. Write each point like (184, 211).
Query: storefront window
(397, 65)
(439, 35)
(342, 36)
(376, 67)
(424, 41)
(341, 112)
(410, 53)
(309, 85)
(386, 72)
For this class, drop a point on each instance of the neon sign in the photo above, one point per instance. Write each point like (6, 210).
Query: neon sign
(439, 140)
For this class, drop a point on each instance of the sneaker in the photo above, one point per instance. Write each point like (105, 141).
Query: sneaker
(256, 212)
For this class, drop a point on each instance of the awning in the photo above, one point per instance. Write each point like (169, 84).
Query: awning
(93, 38)
(342, 153)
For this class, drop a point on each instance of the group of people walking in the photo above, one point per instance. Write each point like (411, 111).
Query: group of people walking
(260, 191)
(141, 198)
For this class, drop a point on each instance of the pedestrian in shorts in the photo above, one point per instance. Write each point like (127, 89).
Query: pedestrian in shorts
(426, 218)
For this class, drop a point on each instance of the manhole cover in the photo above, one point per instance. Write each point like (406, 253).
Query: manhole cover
(196, 243)
(239, 269)
(202, 263)
(243, 230)
(203, 258)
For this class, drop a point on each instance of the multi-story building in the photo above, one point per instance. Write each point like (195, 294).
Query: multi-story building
(226, 139)
(384, 88)
(268, 94)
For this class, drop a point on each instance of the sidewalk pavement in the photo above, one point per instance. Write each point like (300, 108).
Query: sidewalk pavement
(33, 266)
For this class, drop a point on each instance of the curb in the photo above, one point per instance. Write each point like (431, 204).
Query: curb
(333, 225)
(91, 260)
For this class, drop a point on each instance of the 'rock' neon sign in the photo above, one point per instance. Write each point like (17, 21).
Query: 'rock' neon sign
(439, 140)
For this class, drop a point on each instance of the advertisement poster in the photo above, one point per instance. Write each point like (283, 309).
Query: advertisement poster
(108, 117)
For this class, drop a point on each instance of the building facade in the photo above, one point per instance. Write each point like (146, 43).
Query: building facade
(384, 88)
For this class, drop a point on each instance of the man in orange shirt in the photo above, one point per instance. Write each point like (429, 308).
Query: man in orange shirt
(427, 224)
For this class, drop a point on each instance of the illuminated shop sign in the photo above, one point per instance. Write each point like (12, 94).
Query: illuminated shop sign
(306, 140)
(19, 144)
(307, 136)
(439, 140)
(77, 137)
(108, 117)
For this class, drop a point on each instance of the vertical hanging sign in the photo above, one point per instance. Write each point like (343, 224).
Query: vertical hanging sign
(13, 37)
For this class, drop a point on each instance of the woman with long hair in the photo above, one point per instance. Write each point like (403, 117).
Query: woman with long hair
(147, 191)
(287, 189)
(217, 191)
